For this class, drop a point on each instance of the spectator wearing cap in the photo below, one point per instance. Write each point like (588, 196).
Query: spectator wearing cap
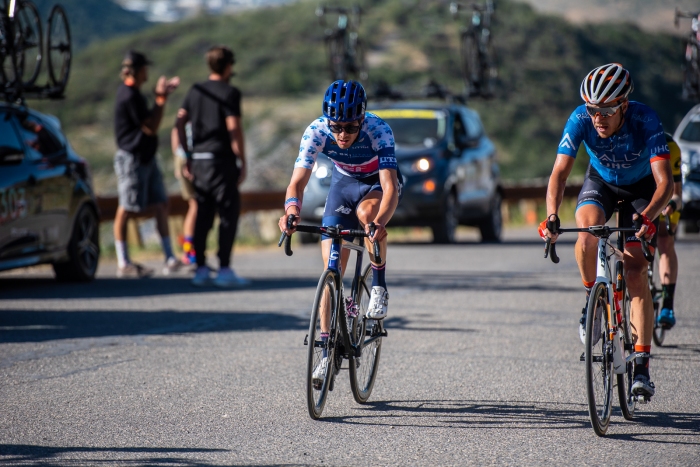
(139, 180)
(216, 162)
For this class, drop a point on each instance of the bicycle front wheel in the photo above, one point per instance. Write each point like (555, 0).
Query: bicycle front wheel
(624, 381)
(471, 70)
(29, 48)
(599, 360)
(320, 370)
(367, 332)
(58, 47)
(336, 57)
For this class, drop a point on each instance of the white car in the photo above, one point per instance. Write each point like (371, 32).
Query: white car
(687, 136)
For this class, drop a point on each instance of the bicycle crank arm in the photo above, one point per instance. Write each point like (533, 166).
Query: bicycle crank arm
(637, 354)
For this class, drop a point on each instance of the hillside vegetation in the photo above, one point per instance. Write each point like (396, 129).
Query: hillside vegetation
(281, 66)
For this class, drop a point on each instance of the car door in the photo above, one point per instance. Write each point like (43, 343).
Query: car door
(18, 238)
(482, 157)
(52, 184)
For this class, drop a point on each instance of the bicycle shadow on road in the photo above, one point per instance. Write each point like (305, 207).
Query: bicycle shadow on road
(46, 288)
(682, 424)
(48, 455)
(517, 415)
(39, 326)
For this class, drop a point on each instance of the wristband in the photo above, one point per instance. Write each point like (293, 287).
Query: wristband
(292, 202)
(673, 205)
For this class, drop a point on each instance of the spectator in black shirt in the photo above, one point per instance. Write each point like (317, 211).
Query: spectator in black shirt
(140, 181)
(216, 161)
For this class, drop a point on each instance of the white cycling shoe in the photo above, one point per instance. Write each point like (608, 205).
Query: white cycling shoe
(320, 373)
(378, 303)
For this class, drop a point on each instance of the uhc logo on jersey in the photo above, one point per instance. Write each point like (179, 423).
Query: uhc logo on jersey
(663, 149)
(566, 142)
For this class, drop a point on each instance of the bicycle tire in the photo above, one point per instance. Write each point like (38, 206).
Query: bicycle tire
(471, 69)
(624, 381)
(363, 373)
(489, 70)
(31, 37)
(8, 76)
(58, 48)
(316, 396)
(336, 57)
(359, 67)
(599, 362)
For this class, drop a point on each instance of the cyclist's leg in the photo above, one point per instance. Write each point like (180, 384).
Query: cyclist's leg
(668, 270)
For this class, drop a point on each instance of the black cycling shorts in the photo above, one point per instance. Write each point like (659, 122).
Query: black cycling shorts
(633, 199)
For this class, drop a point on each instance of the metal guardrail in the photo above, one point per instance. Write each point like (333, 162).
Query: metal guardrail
(270, 200)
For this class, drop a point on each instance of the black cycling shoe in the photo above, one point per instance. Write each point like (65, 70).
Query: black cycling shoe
(643, 386)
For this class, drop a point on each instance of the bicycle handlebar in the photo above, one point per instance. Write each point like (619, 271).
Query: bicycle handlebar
(596, 230)
(332, 232)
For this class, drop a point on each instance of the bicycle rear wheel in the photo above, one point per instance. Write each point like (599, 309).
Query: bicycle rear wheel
(58, 48)
(336, 57)
(326, 298)
(599, 360)
(471, 70)
(624, 381)
(364, 372)
(31, 39)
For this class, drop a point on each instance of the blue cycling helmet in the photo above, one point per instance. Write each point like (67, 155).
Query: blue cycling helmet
(345, 101)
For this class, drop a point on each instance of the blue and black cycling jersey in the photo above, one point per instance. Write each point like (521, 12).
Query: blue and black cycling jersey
(625, 157)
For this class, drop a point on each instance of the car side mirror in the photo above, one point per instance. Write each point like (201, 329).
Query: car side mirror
(10, 155)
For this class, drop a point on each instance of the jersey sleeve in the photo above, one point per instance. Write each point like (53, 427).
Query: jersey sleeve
(311, 144)
(573, 133)
(383, 143)
(656, 139)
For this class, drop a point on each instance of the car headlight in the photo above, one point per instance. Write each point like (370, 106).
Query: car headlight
(322, 171)
(422, 165)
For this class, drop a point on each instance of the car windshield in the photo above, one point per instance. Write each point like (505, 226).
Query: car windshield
(414, 127)
(691, 132)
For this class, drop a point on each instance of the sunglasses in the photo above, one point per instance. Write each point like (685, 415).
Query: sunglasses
(604, 112)
(349, 129)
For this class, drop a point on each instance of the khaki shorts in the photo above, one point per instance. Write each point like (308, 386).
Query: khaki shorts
(186, 187)
(139, 185)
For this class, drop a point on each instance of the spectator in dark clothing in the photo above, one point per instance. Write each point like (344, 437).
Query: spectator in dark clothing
(215, 162)
(140, 181)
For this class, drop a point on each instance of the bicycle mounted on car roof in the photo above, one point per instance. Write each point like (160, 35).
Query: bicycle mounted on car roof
(478, 57)
(345, 50)
(21, 51)
(691, 65)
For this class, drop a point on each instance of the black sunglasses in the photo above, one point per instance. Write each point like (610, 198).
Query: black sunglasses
(349, 129)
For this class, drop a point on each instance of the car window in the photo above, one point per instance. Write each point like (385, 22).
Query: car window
(473, 126)
(460, 132)
(691, 132)
(414, 127)
(9, 142)
(39, 140)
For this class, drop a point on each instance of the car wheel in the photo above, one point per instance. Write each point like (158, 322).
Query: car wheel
(444, 231)
(492, 226)
(83, 249)
(308, 238)
(691, 226)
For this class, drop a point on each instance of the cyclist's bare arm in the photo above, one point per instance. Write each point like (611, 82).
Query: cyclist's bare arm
(557, 183)
(390, 199)
(300, 178)
(664, 189)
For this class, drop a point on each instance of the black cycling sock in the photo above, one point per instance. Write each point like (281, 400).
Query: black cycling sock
(641, 364)
(667, 292)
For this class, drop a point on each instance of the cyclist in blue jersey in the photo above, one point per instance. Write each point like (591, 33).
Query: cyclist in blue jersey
(365, 185)
(629, 163)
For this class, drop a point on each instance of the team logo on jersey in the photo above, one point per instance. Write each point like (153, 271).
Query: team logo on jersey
(344, 210)
(566, 142)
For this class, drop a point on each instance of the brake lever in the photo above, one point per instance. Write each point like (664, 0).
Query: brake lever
(645, 245)
(550, 248)
(287, 239)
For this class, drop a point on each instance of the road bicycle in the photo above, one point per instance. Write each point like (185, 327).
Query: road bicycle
(476, 49)
(346, 53)
(657, 294)
(691, 64)
(609, 348)
(351, 334)
(22, 46)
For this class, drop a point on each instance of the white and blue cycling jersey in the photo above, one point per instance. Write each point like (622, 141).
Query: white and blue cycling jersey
(625, 157)
(372, 150)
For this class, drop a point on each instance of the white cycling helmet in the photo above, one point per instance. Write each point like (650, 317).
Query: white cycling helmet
(606, 84)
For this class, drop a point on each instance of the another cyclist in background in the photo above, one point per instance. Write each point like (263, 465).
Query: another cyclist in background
(668, 260)
(187, 191)
(366, 182)
(629, 163)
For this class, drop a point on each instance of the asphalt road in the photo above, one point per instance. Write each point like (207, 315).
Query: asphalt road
(481, 367)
